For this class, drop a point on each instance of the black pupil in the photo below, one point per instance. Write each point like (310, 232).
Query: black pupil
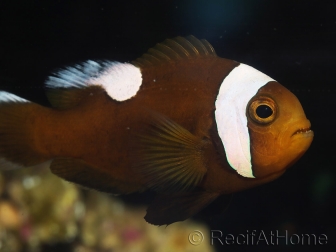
(264, 111)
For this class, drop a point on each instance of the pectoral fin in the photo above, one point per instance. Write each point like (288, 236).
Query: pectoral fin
(167, 209)
(169, 156)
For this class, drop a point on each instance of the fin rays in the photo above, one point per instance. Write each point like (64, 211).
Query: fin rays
(176, 49)
(171, 158)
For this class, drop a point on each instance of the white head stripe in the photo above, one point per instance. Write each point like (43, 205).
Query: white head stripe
(120, 80)
(235, 92)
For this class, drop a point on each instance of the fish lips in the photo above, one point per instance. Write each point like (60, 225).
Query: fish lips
(303, 130)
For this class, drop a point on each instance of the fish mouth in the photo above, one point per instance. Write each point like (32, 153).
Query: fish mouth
(303, 131)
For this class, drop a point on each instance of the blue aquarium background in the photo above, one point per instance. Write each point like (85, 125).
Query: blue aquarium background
(294, 42)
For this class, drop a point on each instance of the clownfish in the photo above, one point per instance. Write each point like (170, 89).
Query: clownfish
(179, 120)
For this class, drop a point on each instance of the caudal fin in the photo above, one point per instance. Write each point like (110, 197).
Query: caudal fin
(17, 138)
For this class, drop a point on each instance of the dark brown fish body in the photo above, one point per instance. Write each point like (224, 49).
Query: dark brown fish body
(164, 137)
(78, 131)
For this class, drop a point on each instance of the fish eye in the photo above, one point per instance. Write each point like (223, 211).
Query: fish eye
(262, 110)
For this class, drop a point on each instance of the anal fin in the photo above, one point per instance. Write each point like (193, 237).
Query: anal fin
(84, 174)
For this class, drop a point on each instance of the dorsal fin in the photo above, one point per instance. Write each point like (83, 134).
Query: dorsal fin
(65, 98)
(68, 86)
(6, 97)
(175, 49)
